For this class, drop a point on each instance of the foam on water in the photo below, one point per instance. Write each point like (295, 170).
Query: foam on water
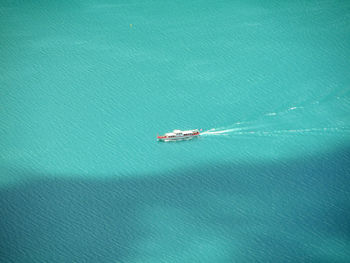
(261, 132)
(261, 126)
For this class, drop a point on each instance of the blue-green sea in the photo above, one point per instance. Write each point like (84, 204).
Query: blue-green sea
(86, 86)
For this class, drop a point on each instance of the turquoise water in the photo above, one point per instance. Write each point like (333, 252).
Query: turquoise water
(87, 85)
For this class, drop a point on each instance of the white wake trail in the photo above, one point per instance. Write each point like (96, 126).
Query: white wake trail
(252, 132)
(213, 132)
(269, 124)
(229, 130)
(226, 131)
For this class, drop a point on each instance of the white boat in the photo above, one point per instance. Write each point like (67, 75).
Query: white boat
(178, 135)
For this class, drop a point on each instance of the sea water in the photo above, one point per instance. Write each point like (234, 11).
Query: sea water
(87, 85)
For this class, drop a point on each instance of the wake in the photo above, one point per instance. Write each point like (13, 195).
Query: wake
(237, 132)
(276, 124)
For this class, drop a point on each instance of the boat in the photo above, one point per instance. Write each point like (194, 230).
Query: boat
(178, 135)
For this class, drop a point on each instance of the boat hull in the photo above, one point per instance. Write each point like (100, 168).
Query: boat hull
(182, 138)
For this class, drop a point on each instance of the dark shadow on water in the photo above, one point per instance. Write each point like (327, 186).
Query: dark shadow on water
(296, 211)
